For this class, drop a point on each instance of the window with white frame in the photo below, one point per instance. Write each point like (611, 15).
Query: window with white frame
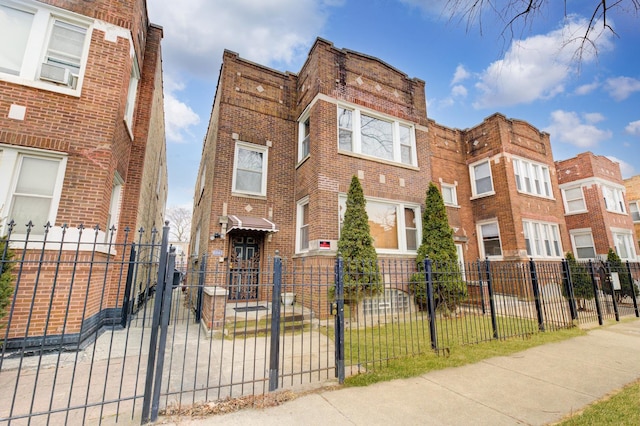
(46, 45)
(449, 194)
(303, 138)
(583, 245)
(114, 206)
(623, 240)
(532, 178)
(613, 199)
(542, 239)
(394, 226)
(574, 200)
(33, 186)
(482, 183)
(132, 93)
(374, 135)
(489, 238)
(302, 236)
(250, 169)
(634, 211)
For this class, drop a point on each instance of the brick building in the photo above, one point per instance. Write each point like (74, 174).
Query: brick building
(81, 126)
(281, 149)
(632, 186)
(593, 194)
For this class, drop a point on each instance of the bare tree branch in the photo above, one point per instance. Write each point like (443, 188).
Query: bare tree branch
(179, 223)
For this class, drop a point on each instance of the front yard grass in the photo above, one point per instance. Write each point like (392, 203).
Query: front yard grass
(619, 409)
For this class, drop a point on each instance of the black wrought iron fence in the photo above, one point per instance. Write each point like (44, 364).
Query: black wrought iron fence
(101, 325)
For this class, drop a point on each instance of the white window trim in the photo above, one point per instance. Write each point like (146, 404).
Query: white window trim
(454, 194)
(565, 200)
(357, 137)
(629, 239)
(265, 166)
(38, 40)
(401, 225)
(474, 192)
(582, 231)
(301, 124)
(528, 225)
(637, 204)
(132, 94)
(526, 165)
(114, 207)
(483, 255)
(9, 158)
(618, 201)
(299, 214)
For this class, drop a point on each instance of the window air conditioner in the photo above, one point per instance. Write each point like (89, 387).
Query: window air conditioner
(56, 74)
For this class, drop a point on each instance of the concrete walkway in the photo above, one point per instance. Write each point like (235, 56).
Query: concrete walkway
(535, 387)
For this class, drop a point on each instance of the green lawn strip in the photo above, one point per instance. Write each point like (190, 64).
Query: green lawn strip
(458, 355)
(619, 409)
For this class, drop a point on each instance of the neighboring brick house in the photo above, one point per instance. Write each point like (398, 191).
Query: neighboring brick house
(593, 193)
(281, 149)
(633, 198)
(81, 127)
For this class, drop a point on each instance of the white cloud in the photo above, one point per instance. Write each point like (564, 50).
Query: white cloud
(593, 117)
(461, 74)
(620, 88)
(538, 66)
(459, 91)
(179, 117)
(197, 31)
(568, 127)
(633, 128)
(626, 169)
(585, 89)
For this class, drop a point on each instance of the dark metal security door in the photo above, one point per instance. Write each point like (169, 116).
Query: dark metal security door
(244, 268)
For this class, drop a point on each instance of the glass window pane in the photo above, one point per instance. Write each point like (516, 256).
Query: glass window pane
(635, 213)
(586, 252)
(248, 181)
(15, 25)
(65, 45)
(482, 175)
(345, 141)
(405, 144)
(383, 224)
(377, 137)
(34, 209)
(37, 176)
(249, 160)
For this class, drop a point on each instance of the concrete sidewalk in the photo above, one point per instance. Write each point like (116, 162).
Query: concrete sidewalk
(535, 387)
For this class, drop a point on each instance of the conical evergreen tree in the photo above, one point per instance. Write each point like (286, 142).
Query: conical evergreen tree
(362, 276)
(581, 280)
(437, 244)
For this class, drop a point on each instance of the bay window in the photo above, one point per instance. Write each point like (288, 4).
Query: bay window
(542, 239)
(532, 178)
(377, 136)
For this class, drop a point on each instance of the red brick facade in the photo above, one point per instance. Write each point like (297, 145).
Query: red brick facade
(632, 186)
(86, 125)
(605, 215)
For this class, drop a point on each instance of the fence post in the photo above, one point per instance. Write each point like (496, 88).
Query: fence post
(613, 291)
(431, 306)
(126, 303)
(484, 310)
(200, 293)
(633, 289)
(595, 292)
(274, 354)
(568, 288)
(153, 340)
(492, 302)
(339, 324)
(536, 293)
(167, 293)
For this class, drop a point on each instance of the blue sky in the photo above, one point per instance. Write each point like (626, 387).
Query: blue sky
(531, 74)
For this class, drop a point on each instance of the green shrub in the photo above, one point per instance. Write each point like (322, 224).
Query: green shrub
(6, 281)
(437, 244)
(581, 280)
(616, 265)
(362, 276)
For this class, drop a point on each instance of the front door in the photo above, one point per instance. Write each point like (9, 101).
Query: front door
(244, 266)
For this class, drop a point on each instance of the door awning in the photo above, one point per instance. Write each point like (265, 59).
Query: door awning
(251, 223)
